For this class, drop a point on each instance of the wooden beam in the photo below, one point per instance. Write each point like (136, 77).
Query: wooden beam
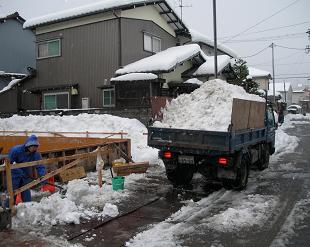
(54, 160)
(47, 176)
(9, 184)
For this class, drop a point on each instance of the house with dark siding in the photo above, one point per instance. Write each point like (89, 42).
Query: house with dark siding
(79, 50)
(17, 60)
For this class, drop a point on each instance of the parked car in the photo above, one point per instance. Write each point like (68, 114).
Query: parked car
(294, 109)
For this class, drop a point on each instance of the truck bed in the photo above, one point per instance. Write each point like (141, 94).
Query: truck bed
(204, 142)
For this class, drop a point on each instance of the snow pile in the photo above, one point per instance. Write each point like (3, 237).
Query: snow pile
(207, 108)
(110, 210)
(91, 123)
(81, 201)
(163, 61)
(135, 77)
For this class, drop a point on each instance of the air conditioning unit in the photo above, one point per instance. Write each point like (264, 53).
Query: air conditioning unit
(85, 103)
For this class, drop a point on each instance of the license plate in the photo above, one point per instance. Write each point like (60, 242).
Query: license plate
(183, 159)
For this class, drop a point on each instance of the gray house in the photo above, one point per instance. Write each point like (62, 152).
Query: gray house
(17, 60)
(78, 51)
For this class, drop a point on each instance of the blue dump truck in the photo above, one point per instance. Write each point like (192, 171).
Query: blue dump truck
(219, 156)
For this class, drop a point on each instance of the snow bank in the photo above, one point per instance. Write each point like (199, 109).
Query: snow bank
(91, 123)
(82, 200)
(207, 108)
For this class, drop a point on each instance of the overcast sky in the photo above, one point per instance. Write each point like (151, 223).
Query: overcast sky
(233, 17)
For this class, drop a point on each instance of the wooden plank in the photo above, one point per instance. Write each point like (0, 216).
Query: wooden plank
(53, 160)
(240, 114)
(9, 184)
(72, 173)
(47, 176)
(257, 115)
(128, 168)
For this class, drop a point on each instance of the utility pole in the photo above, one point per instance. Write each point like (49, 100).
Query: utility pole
(183, 6)
(215, 38)
(284, 92)
(307, 50)
(273, 77)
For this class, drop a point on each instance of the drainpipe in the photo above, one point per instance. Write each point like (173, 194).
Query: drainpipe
(120, 62)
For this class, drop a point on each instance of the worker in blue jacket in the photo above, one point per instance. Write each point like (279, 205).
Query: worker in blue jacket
(26, 152)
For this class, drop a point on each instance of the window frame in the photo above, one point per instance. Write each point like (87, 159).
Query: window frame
(112, 104)
(152, 42)
(56, 93)
(47, 42)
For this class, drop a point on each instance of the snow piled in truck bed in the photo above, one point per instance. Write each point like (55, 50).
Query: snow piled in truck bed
(91, 123)
(207, 108)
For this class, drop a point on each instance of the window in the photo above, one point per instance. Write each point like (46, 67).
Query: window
(151, 43)
(108, 97)
(56, 101)
(49, 48)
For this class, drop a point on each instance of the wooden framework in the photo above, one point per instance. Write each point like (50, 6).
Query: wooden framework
(77, 158)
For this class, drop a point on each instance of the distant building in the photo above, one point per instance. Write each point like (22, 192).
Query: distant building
(284, 89)
(261, 77)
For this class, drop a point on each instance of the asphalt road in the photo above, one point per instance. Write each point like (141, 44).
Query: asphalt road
(286, 182)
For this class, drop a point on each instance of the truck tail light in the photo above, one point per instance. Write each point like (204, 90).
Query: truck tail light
(223, 161)
(167, 155)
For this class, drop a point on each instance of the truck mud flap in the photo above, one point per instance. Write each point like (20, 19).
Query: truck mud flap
(225, 173)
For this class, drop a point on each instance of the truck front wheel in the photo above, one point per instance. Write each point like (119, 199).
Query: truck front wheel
(181, 175)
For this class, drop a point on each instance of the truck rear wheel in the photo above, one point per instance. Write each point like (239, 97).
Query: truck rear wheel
(242, 174)
(263, 162)
(181, 175)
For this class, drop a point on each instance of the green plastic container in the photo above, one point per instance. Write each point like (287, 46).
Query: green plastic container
(118, 183)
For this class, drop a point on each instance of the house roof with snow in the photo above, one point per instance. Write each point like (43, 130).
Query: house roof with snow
(199, 37)
(207, 68)
(14, 16)
(109, 5)
(136, 77)
(165, 61)
(256, 73)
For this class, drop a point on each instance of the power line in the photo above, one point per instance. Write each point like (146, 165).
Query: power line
(269, 38)
(306, 73)
(278, 64)
(255, 54)
(293, 77)
(267, 18)
(270, 29)
(291, 48)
